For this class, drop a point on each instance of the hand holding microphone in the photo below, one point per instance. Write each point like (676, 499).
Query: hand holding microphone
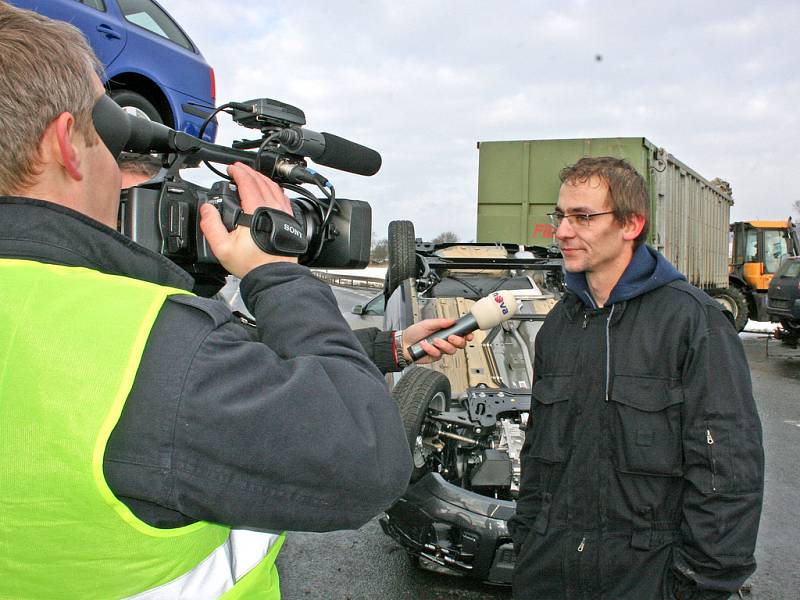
(484, 314)
(419, 332)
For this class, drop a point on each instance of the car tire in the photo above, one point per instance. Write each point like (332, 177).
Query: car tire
(136, 104)
(732, 299)
(414, 394)
(402, 254)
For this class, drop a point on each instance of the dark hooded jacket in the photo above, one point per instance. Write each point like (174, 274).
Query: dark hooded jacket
(642, 470)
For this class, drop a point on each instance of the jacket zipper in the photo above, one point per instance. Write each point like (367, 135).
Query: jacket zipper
(593, 304)
(710, 442)
(582, 545)
(608, 352)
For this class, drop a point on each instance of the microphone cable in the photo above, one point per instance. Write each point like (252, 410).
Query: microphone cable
(225, 107)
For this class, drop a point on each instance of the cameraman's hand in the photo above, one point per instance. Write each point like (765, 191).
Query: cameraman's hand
(236, 250)
(421, 330)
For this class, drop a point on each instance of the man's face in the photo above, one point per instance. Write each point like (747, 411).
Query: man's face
(101, 176)
(596, 247)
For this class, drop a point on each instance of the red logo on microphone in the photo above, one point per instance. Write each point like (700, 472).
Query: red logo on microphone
(499, 299)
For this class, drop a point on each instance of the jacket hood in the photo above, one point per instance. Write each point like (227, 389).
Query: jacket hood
(647, 271)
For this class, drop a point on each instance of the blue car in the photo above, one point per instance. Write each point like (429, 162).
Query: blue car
(152, 68)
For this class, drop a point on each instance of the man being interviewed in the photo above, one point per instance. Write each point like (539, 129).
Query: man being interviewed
(642, 469)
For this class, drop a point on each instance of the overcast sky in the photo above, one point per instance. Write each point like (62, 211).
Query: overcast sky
(715, 83)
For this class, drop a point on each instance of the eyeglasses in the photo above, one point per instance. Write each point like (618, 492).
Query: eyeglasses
(575, 219)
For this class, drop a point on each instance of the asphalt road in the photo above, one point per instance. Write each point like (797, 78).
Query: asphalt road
(367, 565)
(776, 386)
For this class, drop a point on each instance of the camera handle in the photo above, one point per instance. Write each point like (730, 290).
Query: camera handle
(274, 231)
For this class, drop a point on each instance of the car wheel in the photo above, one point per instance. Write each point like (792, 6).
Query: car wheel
(732, 299)
(136, 105)
(418, 391)
(402, 254)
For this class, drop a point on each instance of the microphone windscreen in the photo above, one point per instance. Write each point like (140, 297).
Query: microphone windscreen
(348, 156)
(494, 309)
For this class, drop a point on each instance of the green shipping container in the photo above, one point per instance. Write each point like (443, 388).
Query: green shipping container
(518, 185)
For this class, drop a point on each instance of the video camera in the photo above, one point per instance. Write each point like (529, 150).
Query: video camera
(163, 214)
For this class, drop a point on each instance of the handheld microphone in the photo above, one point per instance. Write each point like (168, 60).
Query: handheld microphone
(331, 150)
(485, 313)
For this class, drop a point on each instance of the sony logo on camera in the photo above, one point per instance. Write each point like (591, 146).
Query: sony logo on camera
(294, 231)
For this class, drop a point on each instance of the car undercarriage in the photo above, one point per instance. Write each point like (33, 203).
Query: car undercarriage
(465, 415)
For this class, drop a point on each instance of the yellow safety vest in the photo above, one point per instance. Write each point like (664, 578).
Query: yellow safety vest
(71, 340)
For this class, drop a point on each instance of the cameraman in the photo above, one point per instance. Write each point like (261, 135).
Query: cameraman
(147, 445)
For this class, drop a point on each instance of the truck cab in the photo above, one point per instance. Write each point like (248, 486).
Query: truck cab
(758, 248)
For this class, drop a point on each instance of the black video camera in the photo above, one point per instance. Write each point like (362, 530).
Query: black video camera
(163, 214)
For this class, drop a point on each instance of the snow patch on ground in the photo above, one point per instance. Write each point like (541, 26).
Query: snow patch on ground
(759, 327)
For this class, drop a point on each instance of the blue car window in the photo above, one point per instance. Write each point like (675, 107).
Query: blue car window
(96, 4)
(148, 15)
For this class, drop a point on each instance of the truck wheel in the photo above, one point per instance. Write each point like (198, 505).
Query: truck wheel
(136, 105)
(402, 254)
(417, 391)
(732, 299)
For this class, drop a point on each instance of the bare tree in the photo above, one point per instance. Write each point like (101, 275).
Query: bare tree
(796, 206)
(446, 237)
(380, 251)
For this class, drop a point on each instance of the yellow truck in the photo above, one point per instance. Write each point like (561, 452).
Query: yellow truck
(757, 249)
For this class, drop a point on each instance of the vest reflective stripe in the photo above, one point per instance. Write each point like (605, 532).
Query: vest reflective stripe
(71, 340)
(246, 559)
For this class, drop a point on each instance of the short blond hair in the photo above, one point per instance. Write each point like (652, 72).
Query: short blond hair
(46, 68)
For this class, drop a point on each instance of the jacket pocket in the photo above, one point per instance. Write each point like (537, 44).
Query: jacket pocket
(645, 415)
(548, 431)
(732, 454)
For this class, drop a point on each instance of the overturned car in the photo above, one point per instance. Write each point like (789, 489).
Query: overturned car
(465, 415)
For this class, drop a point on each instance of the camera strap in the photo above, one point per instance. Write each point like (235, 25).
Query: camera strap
(275, 232)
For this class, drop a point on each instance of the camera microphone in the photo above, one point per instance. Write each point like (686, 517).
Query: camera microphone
(331, 150)
(486, 313)
(122, 131)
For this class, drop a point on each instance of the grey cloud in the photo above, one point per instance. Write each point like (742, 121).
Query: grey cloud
(716, 83)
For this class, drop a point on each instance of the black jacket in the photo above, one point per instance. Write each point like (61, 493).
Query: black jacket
(296, 431)
(377, 344)
(642, 470)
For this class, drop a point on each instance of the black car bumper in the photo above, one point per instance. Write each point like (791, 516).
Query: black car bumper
(784, 310)
(454, 528)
